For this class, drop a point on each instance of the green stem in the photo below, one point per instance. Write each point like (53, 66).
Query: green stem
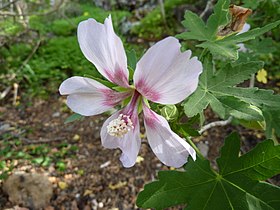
(195, 148)
(204, 52)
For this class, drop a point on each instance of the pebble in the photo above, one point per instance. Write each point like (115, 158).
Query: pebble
(100, 205)
(56, 114)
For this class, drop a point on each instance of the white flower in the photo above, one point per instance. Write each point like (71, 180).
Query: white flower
(241, 46)
(164, 75)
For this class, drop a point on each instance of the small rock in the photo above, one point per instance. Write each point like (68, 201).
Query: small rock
(31, 190)
(106, 164)
(56, 114)
(100, 205)
(76, 137)
(62, 185)
(158, 165)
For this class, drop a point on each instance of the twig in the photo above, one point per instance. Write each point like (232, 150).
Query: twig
(40, 141)
(216, 123)
(15, 93)
(252, 81)
(209, 6)
(161, 4)
(5, 13)
(5, 92)
(31, 54)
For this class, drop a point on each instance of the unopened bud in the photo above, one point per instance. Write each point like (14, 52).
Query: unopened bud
(170, 112)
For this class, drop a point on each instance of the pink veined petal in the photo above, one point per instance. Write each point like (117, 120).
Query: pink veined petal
(89, 97)
(166, 75)
(129, 144)
(170, 149)
(102, 47)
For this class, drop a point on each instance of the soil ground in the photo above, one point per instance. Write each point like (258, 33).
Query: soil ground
(94, 177)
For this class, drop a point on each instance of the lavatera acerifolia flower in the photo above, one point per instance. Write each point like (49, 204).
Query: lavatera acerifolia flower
(163, 75)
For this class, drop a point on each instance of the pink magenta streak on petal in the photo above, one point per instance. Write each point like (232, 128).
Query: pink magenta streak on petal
(131, 109)
(147, 91)
(118, 77)
(150, 118)
(113, 98)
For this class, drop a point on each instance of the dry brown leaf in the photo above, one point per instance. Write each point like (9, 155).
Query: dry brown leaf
(239, 16)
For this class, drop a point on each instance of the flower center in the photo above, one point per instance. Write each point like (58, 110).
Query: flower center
(120, 126)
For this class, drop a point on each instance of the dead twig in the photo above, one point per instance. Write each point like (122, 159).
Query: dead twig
(13, 14)
(5, 92)
(35, 48)
(209, 6)
(15, 93)
(252, 81)
(40, 141)
(216, 123)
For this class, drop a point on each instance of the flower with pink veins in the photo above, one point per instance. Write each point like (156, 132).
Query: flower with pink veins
(163, 75)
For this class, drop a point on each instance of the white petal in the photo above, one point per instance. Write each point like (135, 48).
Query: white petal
(89, 97)
(166, 75)
(245, 28)
(104, 49)
(170, 149)
(129, 144)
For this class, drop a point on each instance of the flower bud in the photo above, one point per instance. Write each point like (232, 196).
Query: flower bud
(170, 112)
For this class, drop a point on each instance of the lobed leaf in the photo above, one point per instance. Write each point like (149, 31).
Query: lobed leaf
(237, 186)
(272, 118)
(212, 87)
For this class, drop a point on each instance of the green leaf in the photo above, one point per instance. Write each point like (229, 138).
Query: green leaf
(212, 87)
(228, 50)
(131, 59)
(261, 163)
(222, 46)
(102, 81)
(255, 96)
(257, 125)
(219, 18)
(228, 45)
(249, 35)
(197, 102)
(73, 118)
(197, 29)
(272, 119)
(240, 109)
(237, 186)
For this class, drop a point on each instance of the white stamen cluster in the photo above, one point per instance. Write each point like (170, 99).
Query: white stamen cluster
(120, 126)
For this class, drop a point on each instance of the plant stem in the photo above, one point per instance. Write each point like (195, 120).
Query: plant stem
(214, 124)
(195, 148)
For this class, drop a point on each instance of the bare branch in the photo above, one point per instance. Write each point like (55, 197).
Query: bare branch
(6, 13)
(252, 81)
(209, 6)
(216, 123)
(35, 48)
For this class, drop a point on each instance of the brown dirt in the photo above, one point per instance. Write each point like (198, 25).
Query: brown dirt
(88, 184)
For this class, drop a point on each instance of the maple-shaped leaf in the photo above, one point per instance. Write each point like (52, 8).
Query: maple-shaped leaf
(238, 185)
(198, 30)
(228, 45)
(220, 92)
(272, 119)
(225, 46)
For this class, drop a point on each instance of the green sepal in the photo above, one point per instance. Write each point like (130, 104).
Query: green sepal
(73, 117)
(102, 81)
